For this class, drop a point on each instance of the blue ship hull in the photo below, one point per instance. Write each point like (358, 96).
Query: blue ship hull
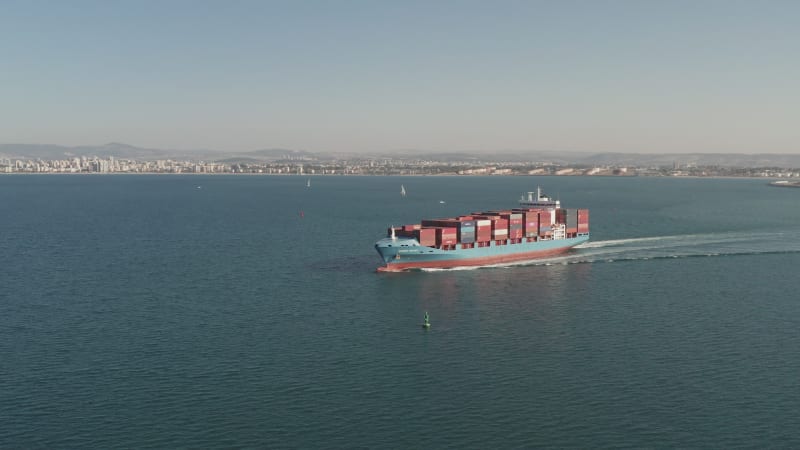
(403, 253)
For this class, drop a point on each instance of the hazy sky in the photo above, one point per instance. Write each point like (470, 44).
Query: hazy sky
(631, 76)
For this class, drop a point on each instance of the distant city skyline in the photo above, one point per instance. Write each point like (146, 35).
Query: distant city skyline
(359, 76)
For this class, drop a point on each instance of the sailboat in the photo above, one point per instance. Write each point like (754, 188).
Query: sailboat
(402, 191)
(308, 183)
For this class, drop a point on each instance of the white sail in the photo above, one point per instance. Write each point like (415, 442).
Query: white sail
(402, 191)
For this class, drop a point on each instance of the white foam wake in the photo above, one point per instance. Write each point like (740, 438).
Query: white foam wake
(673, 246)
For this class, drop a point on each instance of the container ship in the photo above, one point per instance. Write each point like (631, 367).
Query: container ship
(538, 228)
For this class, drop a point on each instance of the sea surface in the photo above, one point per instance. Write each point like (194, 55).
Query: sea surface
(181, 311)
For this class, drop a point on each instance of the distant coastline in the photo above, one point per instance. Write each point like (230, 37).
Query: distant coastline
(123, 158)
(123, 161)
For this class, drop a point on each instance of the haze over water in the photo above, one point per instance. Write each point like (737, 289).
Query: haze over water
(207, 311)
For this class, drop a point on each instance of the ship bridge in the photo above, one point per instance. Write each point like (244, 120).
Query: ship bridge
(538, 199)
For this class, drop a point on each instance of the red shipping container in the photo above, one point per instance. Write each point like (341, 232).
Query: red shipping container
(530, 223)
(446, 236)
(441, 223)
(561, 215)
(426, 236)
(500, 224)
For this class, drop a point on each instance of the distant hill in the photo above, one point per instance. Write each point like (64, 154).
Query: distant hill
(694, 159)
(50, 152)
(120, 150)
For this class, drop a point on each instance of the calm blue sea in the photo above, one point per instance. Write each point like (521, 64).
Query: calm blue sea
(244, 311)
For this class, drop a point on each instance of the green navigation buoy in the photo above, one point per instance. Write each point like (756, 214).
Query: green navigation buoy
(427, 322)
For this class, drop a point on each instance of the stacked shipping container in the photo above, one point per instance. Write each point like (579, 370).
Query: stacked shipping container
(530, 222)
(583, 221)
(515, 226)
(426, 236)
(568, 217)
(483, 230)
(545, 223)
(446, 236)
(504, 226)
(576, 220)
(500, 229)
(464, 226)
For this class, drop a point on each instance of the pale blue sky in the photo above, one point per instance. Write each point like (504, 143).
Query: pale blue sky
(630, 76)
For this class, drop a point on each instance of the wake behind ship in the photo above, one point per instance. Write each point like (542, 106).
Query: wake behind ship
(537, 229)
